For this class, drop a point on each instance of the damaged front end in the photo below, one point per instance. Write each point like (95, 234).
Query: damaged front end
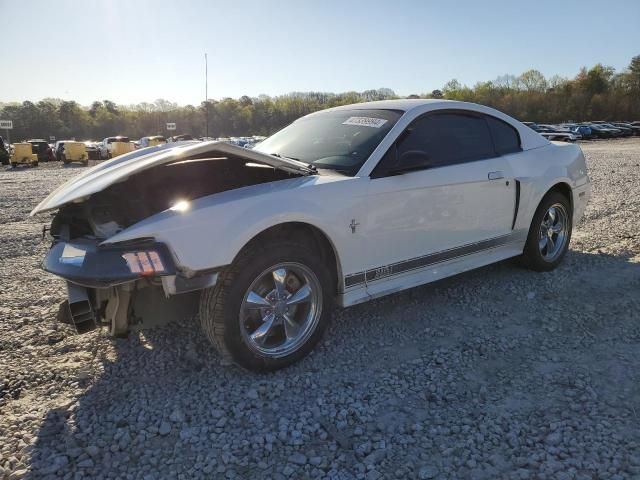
(124, 284)
(102, 281)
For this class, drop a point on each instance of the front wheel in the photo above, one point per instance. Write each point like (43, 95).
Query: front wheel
(270, 307)
(549, 234)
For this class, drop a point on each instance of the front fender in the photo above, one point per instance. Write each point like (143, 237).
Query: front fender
(214, 230)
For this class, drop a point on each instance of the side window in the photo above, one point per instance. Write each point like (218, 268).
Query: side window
(505, 138)
(447, 139)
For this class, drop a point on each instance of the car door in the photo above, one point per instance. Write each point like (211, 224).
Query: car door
(441, 192)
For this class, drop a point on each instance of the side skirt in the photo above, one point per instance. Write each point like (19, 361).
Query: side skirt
(392, 283)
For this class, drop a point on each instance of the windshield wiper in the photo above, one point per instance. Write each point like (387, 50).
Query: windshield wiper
(288, 158)
(311, 166)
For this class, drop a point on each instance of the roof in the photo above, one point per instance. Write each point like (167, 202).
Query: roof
(404, 104)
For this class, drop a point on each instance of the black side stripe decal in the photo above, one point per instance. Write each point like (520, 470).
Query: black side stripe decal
(426, 260)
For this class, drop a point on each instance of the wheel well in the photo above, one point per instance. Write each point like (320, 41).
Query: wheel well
(564, 189)
(306, 234)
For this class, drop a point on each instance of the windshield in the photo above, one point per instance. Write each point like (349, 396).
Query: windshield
(339, 140)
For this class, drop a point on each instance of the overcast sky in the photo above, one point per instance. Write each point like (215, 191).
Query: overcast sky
(131, 51)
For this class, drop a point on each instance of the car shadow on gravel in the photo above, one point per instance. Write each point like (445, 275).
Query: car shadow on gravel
(422, 370)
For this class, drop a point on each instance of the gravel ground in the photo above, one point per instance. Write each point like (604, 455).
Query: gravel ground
(498, 373)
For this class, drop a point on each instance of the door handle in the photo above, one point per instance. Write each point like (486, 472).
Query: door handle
(495, 175)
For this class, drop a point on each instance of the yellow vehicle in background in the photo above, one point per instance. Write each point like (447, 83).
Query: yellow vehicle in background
(105, 148)
(75, 152)
(120, 148)
(23, 155)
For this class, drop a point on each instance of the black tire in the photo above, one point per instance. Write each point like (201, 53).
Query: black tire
(532, 256)
(34, 164)
(220, 305)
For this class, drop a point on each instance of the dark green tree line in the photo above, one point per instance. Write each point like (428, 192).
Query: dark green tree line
(597, 93)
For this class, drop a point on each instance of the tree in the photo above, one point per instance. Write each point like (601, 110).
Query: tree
(634, 73)
(596, 92)
(533, 81)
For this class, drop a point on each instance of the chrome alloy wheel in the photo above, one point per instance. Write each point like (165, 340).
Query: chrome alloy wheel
(553, 232)
(281, 310)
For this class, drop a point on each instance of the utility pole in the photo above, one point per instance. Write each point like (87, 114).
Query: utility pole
(206, 91)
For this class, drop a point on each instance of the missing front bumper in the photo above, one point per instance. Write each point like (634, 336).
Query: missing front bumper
(78, 309)
(84, 262)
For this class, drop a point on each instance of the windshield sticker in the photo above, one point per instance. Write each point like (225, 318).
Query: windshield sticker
(365, 122)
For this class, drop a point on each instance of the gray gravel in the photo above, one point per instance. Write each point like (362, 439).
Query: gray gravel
(499, 373)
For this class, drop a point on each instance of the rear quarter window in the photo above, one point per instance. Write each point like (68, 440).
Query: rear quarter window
(505, 137)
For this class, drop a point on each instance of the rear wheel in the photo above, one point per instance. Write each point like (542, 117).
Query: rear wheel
(549, 234)
(270, 307)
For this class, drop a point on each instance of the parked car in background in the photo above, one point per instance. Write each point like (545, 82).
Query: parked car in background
(635, 129)
(616, 131)
(23, 154)
(58, 149)
(600, 131)
(573, 135)
(180, 138)
(624, 131)
(151, 141)
(553, 133)
(42, 149)
(72, 151)
(4, 152)
(92, 149)
(105, 147)
(583, 131)
(343, 205)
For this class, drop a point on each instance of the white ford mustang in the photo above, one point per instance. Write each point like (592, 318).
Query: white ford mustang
(343, 205)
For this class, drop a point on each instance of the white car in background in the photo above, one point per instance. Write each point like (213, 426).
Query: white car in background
(151, 141)
(342, 206)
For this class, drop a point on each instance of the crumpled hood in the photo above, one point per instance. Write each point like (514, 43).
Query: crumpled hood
(120, 168)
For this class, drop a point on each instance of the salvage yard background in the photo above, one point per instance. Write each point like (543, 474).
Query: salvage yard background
(500, 372)
(594, 93)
